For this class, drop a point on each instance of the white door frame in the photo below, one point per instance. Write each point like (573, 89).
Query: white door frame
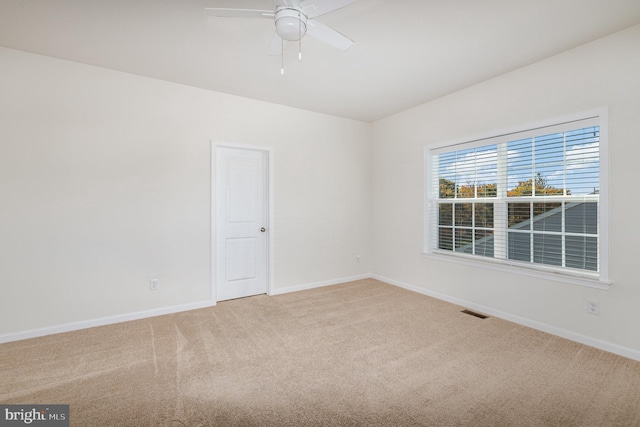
(212, 193)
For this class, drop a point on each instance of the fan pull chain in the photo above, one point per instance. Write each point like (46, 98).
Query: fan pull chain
(282, 57)
(299, 37)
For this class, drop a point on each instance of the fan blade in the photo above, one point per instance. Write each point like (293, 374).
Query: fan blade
(239, 13)
(276, 45)
(313, 8)
(328, 35)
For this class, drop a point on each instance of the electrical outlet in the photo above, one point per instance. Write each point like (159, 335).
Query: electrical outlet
(153, 284)
(357, 258)
(593, 307)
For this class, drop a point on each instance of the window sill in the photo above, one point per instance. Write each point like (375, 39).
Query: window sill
(538, 272)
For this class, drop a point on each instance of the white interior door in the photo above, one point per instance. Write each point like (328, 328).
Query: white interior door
(241, 222)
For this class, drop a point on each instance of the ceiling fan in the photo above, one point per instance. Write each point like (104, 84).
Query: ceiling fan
(293, 20)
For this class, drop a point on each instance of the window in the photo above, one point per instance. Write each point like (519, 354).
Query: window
(527, 198)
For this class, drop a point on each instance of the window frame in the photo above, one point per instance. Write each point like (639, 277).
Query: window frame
(599, 280)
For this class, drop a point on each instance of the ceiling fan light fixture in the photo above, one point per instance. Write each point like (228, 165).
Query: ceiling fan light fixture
(291, 24)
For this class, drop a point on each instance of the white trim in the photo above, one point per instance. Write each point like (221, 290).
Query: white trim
(307, 286)
(535, 270)
(429, 171)
(212, 220)
(269, 152)
(517, 129)
(228, 144)
(553, 330)
(534, 324)
(102, 321)
(270, 219)
(598, 116)
(603, 211)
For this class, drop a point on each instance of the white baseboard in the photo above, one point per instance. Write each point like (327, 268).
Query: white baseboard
(74, 326)
(534, 324)
(573, 336)
(306, 286)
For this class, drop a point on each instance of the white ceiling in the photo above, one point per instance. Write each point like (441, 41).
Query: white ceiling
(405, 52)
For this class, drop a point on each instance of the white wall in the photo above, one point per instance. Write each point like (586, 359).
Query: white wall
(603, 73)
(105, 184)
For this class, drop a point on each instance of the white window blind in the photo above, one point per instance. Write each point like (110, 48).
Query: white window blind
(529, 198)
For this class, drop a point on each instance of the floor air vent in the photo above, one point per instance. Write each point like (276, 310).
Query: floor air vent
(473, 313)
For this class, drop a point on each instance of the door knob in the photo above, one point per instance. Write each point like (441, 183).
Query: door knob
(263, 229)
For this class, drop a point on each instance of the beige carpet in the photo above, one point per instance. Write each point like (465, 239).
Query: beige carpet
(358, 354)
